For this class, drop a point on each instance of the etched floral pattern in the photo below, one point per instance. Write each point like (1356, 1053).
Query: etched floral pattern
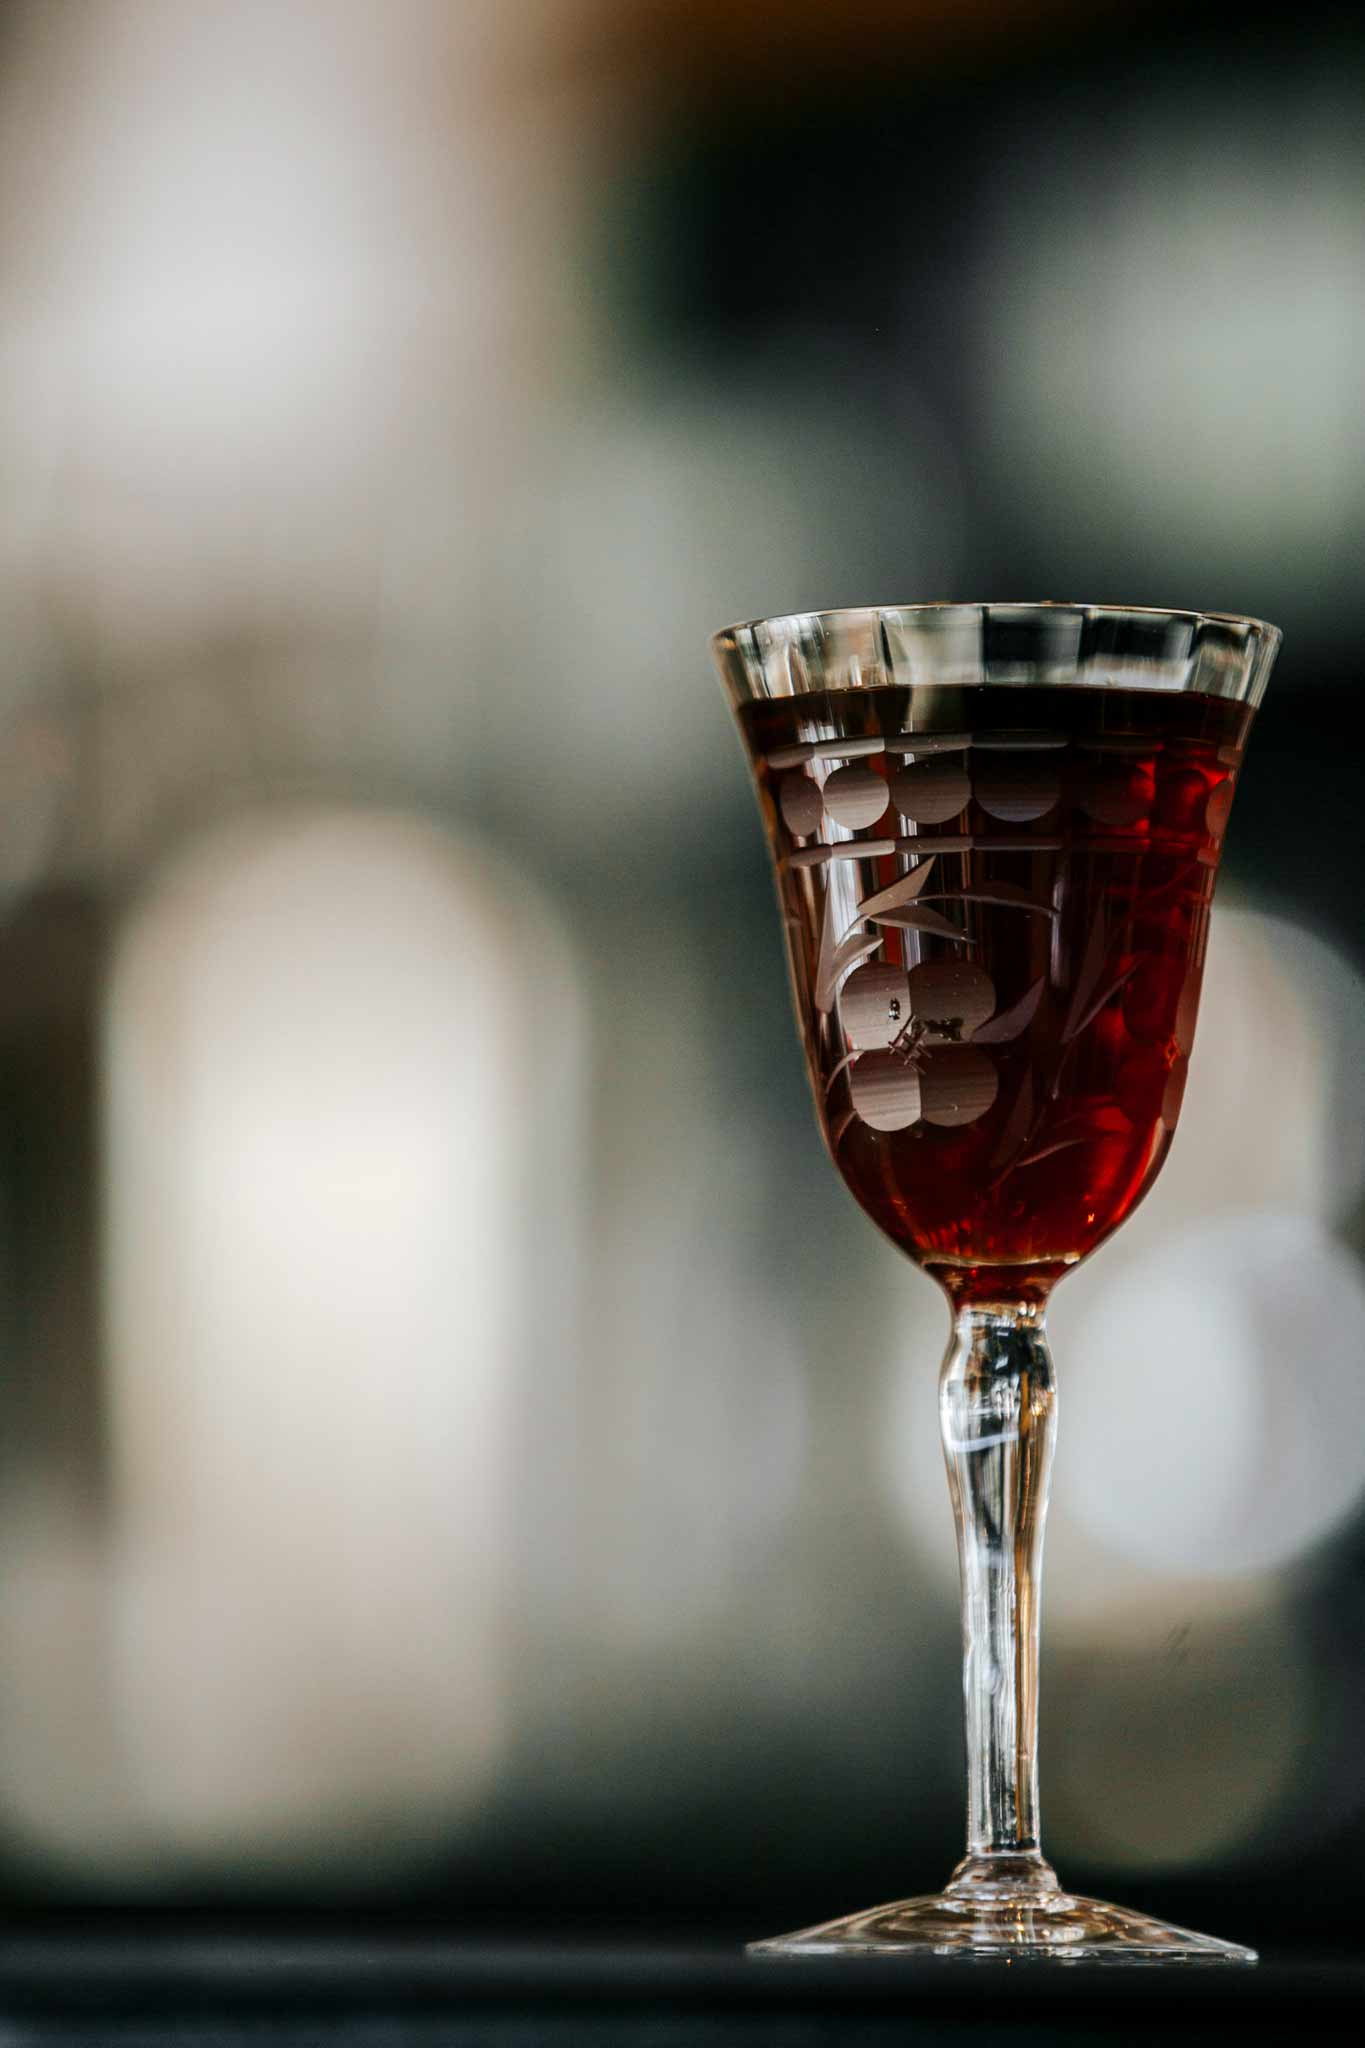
(912, 1032)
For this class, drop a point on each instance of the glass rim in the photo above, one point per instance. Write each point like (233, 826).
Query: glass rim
(1041, 641)
(863, 614)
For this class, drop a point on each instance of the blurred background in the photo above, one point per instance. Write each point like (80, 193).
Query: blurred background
(461, 1451)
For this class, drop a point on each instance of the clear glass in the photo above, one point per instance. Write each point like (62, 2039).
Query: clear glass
(996, 831)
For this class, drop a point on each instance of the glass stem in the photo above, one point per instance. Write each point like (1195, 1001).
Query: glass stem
(998, 1415)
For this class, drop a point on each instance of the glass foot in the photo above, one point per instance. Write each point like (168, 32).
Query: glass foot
(1023, 1917)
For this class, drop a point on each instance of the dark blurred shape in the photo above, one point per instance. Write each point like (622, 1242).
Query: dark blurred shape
(730, 51)
(52, 955)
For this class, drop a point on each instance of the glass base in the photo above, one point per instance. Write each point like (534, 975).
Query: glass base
(1019, 1915)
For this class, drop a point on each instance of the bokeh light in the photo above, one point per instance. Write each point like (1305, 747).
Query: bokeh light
(649, 510)
(1176, 1743)
(1164, 319)
(337, 1153)
(1212, 1430)
(1217, 1422)
(705, 1372)
(1213, 1409)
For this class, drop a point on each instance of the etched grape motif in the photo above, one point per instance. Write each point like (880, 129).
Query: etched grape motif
(912, 1030)
(915, 1034)
(917, 1038)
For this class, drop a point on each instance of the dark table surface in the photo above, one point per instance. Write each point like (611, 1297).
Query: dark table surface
(378, 1991)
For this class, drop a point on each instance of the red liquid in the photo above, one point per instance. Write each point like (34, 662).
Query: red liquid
(997, 973)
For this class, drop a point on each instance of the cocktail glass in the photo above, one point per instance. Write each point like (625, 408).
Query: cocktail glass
(996, 831)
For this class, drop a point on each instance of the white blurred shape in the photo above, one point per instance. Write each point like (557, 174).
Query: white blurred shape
(1176, 1745)
(323, 1096)
(650, 518)
(1271, 1142)
(251, 256)
(1171, 336)
(1216, 1416)
(699, 1455)
(1274, 1115)
(234, 203)
(1270, 1150)
(709, 1435)
(35, 776)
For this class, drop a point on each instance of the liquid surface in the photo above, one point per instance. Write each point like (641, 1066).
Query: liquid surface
(996, 904)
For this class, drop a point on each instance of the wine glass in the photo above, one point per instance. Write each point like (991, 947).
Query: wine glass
(996, 831)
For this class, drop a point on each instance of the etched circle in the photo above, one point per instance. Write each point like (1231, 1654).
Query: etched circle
(874, 1005)
(1217, 808)
(855, 796)
(802, 809)
(886, 1092)
(1115, 792)
(1175, 1092)
(957, 1086)
(951, 997)
(931, 792)
(1017, 786)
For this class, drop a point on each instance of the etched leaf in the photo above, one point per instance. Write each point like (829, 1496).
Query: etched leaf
(1046, 1151)
(1105, 1120)
(1011, 1023)
(1087, 1127)
(841, 1130)
(1013, 899)
(1017, 1125)
(1107, 996)
(855, 947)
(903, 891)
(842, 1067)
(1012, 892)
(916, 920)
(830, 937)
(1087, 981)
(836, 957)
